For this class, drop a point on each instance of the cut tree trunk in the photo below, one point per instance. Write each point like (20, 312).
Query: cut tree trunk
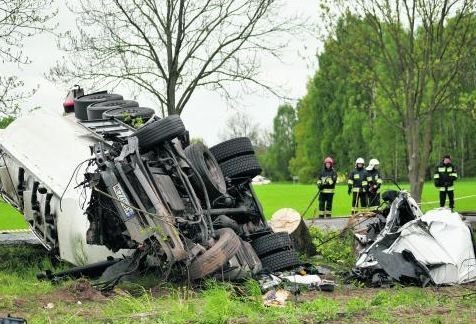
(290, 221)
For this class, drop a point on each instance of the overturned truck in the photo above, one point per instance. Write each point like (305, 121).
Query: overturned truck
(91, 186)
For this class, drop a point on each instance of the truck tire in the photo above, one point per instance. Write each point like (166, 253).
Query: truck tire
(253, 259)
(273, 242)
(217, 256)
(245, 166)
(134, 112)
(96, 110)
(282, 260)
(159, 131)
(208, 169)
(81, 103)
(232, 148)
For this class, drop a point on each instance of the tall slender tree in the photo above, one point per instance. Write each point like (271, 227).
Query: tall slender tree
(423, 45)
(276, 159)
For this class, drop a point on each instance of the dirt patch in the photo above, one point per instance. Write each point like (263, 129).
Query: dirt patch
(83, 290)
(160, 291)
(342, 293)
(19, 303)
(79, 290)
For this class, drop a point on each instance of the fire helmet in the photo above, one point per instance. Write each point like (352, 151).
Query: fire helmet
(359, 161)
(372, 164)
(329, 160)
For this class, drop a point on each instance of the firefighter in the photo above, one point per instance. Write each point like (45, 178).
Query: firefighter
(357, 183)
(326, 184)
(374, 181)
(445, 175)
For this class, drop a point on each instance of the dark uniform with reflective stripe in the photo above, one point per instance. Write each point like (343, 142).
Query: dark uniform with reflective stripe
(357, 183)
(374, 181)
(326, 183)
(445, 175)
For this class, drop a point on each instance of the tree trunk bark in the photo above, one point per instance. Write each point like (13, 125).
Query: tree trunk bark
(418, 142)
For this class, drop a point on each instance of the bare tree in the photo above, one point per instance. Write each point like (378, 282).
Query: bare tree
(423, 45)
(242, 125)
(172, 47)
(19, 20)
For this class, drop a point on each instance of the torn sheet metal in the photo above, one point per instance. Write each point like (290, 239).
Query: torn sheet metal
(441, 241)
(435, 247)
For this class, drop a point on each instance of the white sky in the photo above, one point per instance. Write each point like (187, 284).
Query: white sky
(206, 112)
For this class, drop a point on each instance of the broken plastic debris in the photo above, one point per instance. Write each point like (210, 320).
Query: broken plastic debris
(275, 298)
(269, 281)
(49, 306)
(304, 280)
(312, 282)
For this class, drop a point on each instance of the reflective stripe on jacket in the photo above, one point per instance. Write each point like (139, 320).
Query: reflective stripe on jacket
(357, 180)
(374, 180)
(444, 176)
(327, 180)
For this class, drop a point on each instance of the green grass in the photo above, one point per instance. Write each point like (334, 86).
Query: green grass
(281, 195)
(10, 218)
(22, 295)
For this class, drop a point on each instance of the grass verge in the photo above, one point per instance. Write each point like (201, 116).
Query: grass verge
(281, 195)
(216, 302)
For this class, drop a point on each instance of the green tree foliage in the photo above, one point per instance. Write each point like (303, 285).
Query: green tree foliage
(348, 111)
(412, 53)
(275, 160)
(5, 121)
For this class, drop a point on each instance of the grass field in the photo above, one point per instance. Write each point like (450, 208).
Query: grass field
(10, 218)
(214, 302)
(150, 300)
(280, 195)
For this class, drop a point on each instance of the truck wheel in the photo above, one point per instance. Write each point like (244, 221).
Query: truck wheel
(81, 103)
(159, 131)
(134, 112)
(253, 260)
(245, 166)
(208, 169)
(280, 261)
(232, 148)
(273, 242)
(96, 110)
(217, 256)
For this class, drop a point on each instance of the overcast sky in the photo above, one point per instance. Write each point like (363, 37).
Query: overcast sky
(206, 112)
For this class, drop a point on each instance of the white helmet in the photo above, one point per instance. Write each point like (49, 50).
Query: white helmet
(372, 164)
(359, 161)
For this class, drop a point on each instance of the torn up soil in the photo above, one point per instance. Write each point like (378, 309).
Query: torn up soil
(79, 290)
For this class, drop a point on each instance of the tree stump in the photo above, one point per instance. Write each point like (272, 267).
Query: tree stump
(290, 221)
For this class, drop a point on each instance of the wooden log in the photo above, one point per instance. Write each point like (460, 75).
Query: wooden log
(290, 221)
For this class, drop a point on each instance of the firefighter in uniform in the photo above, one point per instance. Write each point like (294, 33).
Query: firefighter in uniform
(326, 184)
(445, 175)
(374, 181)
(357, 183)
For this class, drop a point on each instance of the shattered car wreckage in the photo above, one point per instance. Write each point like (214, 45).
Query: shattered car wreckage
(92, 187)
(403, 244)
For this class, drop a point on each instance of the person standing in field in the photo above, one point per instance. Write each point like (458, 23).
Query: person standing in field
(357, 183)
(374, 181)
(326, 184)
(444, 177)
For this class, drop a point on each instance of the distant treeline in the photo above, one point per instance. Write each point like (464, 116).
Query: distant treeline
(347, 114)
